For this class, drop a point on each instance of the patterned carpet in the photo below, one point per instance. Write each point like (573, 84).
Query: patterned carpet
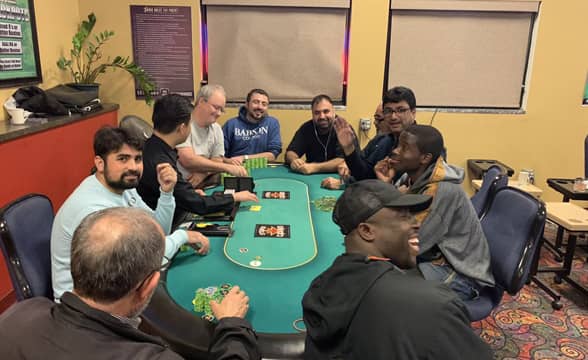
(526, 327)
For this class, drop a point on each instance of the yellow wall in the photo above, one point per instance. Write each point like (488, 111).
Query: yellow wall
(548, 138)
(54, 18)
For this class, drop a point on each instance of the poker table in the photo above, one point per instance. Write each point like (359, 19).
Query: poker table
(274, 253)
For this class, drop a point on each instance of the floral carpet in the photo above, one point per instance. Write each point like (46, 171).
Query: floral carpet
(526, 327)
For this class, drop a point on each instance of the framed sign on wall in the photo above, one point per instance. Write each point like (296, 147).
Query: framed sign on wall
(19, 49)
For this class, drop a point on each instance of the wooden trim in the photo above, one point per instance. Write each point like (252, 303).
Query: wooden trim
(287, 3)
(470, 5)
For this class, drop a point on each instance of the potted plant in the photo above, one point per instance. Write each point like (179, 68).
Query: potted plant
(86, 64)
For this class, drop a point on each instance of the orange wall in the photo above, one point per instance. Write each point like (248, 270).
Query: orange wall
(52, 162)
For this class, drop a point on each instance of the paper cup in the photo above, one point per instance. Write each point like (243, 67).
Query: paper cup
(17, 116)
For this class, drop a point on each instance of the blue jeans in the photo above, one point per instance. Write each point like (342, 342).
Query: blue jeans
(464, 287)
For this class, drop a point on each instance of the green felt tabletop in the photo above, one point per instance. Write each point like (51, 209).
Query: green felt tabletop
(275, 296)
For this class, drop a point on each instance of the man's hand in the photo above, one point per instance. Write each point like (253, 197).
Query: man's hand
(236, 170)
(331, 183)
(196, 178)
(345, 135)
(296, 164)
(343, 171)
(308, 168)
(242, 196)
(384, 170)
(235, 304)
(166, 177)
(235, 160)
(194, 237)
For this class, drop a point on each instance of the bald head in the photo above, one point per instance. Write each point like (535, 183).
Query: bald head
(112, 251)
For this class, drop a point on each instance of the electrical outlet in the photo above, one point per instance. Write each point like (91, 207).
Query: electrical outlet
(365, 124)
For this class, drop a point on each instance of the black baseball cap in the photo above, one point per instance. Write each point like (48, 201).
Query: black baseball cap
(364, 198)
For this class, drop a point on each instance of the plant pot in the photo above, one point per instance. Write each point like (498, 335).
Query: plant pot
(94, 87)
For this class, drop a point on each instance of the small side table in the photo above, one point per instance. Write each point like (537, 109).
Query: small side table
(566, 188)
(573, 219)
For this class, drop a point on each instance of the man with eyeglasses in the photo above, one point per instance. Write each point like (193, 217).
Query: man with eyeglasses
(202, 155)
(253, 133)
(398, 110)
(115, 264)
(314, 147)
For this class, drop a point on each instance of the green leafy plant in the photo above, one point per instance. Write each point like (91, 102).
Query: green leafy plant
(86, 64)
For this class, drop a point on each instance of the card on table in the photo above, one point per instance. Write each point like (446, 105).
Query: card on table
(280, 195)
(270, 230)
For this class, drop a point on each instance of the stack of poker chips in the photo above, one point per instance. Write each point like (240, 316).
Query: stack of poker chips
(203, 297)
(255, 163)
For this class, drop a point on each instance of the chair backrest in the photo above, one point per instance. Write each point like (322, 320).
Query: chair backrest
(25, 230)
(493, 180)
(513, 224)
(136, 126)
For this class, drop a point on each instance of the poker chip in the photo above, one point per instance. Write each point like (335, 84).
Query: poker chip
(208, 317)
(255, 263)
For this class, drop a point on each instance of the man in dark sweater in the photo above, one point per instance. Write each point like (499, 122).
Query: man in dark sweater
(115, 264)
(398, 111)
(368, 305)
(171, 119)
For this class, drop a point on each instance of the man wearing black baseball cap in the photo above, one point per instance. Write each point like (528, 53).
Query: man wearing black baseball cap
(369, 304)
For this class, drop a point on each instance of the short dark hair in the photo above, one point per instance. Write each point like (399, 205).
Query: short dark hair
(257, 91)
(107, 265)
(110, 139)
(170, 111)
(317, 99)
(398, 94)
(428, 140)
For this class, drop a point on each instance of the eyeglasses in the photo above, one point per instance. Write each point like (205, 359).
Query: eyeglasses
(390, 111)
(217, 108)
(165, 263)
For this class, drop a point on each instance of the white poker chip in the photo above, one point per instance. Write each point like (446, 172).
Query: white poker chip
(255, 263)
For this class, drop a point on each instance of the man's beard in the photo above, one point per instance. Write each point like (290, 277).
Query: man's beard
(121, 183)
(138, 310)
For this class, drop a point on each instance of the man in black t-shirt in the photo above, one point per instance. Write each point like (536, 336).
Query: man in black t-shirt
(316, 141)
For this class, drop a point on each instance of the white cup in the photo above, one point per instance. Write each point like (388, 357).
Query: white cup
(523, 177)
(17, 116)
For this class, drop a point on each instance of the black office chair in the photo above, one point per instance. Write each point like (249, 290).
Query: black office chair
(25, 230)
(493, 180)
(513, 224)
(136, 126)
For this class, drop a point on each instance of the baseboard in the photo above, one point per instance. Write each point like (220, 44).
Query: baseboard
(7, 300)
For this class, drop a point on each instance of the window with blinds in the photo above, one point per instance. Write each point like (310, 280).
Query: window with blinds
(461, 54)
(294, 49)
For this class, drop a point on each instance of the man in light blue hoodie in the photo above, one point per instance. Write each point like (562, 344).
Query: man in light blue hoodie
(253, 134)
(453, 248)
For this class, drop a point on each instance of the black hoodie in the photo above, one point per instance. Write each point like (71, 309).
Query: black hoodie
(362, 309)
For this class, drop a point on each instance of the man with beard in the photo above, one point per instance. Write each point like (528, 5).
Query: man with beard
(119, 166)
(453, 248)
(115, 263)
(253, 134)
(202, 156)
(369, 304)
(316, 140)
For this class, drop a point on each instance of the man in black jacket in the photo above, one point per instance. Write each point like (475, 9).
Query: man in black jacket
(116, 262)
(171, 127)
(368, 304)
